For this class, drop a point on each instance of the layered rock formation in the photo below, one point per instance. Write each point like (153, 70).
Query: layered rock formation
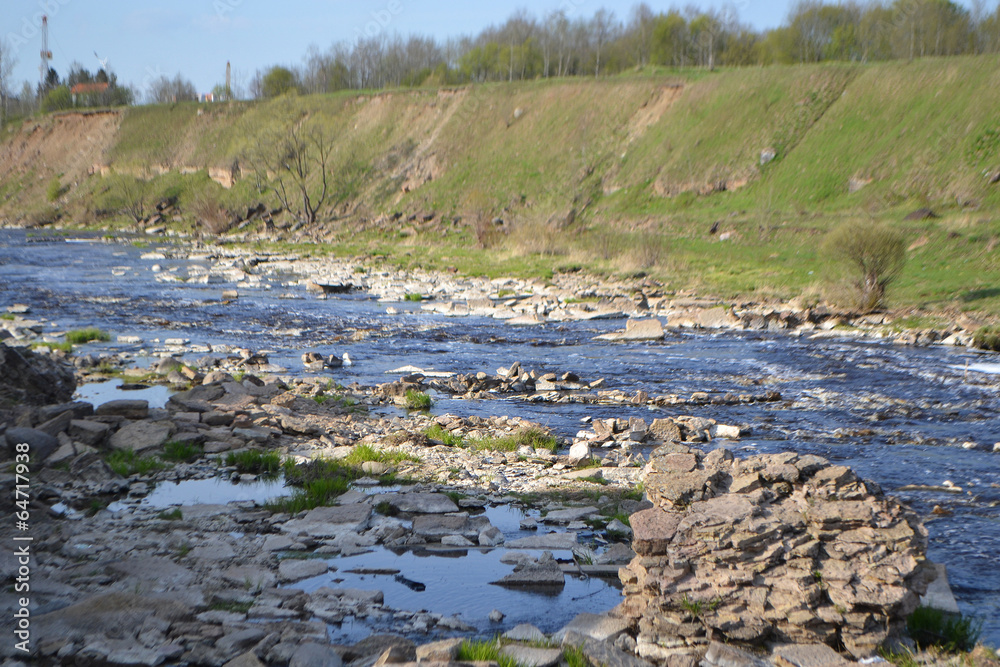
(33, 379)
(780, 547)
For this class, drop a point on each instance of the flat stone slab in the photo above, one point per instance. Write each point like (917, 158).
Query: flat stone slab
(530, 576)
(724, 655)
(421, 503)
(532, 657)
(603, 653)
(807, 655)
(436, 525)
(636, 330)
(594, 626)
(565, 541)
(569, 514)
(330, 521)
(130, 409)
(525, 632)
(939, 595)
(142, 436)
(296, 570)
(252, 577)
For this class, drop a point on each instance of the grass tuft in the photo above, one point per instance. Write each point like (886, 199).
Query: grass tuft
(255, 462)
(126, 463)
(438, 432)
(183, 452)
(365, 453)
(418, 400)
(949, 632)
(531, 437)
(89, 335)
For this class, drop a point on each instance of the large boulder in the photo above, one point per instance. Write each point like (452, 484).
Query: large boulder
(779, 547)
(28, 378)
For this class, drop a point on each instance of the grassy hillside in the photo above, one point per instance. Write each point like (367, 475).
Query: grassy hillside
(620, 175)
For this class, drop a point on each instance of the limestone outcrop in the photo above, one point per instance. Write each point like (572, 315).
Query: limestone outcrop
(773, 548)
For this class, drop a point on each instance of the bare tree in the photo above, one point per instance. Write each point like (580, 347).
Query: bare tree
(164, 90)
(295, 163)
(7, 63)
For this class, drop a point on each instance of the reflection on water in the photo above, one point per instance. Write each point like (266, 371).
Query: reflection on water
(102, 392)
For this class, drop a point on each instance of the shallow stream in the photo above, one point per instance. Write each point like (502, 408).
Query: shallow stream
(898, 415)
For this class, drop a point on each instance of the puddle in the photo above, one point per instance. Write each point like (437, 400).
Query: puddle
(457, 583)
(215, 491)
(102, 392)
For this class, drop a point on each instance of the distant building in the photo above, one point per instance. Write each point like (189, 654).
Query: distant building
(88, 89)
(208, 97)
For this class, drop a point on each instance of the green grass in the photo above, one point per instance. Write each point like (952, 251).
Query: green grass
(255, 462)
(64, 346)
(414, 297)
(530, 437)
(418, 400)
(171, 515)
(183, 452)
(10, 317)
(126, 463)
(574, 657)
(233, 606)
(949, 632)
(364, 453)
(484, 651)
(437, 432)
(987, 338)
(89, 335)
(618, 176)
(319, 483)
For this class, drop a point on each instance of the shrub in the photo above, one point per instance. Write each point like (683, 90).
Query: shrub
(877, 254)
(181, 451)
(55, 189)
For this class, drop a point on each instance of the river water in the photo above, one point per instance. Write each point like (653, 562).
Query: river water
(898, 415)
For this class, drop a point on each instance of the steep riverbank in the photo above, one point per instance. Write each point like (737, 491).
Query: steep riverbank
(629, 175)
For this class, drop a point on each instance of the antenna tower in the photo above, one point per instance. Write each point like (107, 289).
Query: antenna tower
(46, 54)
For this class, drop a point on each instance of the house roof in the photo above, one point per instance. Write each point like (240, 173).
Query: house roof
(84, 88)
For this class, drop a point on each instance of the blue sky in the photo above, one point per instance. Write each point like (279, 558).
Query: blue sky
(146, 39)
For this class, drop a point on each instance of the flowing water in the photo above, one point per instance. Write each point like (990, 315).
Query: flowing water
(898, 415)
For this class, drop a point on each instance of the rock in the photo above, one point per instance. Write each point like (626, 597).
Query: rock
(248, 659)
(532, 657)
(455, 541)
(558, 541)
(41, 445)
(665, 430)
(295, 570)
(939, 594)
(636, 330)
(438, 526)
(127, 408)
(809, 655)
(579, 451)
(789, 546)
(314, 655)
(603, 653)
(491, 536)
(545, 573)
(594, 626)
(525, 632)
(29, 378)
(142, 436)
(443, 651)
(421, 503)
(725, 655)
(569, 514)
(90, 433)
(330, 521)
(496, 616)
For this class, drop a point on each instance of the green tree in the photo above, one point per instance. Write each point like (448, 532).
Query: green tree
(57, 99)
(278, 81)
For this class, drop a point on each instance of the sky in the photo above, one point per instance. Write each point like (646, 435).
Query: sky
(146, 39)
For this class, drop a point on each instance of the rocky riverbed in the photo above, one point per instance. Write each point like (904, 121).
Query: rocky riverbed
(538, 500)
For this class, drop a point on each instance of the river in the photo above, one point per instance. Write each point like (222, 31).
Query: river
(898, 415)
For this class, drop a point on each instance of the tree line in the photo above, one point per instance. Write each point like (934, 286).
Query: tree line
(529, 47)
